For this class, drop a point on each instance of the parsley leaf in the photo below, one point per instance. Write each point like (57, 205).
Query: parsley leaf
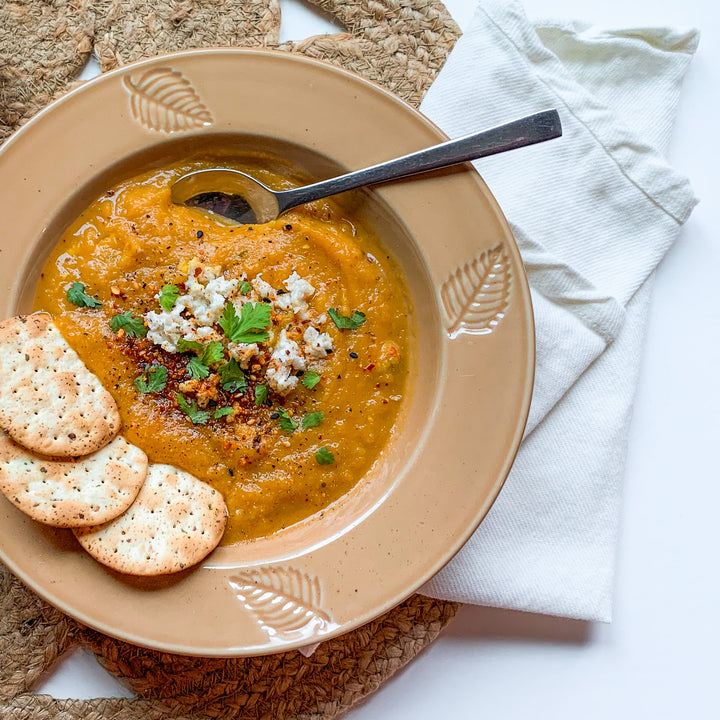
(212, 353)
(197, 417)
(168, 296)
(152, 380)
(77, 296)
(197, 368)
(184, 345)
(253, 317)
(229, 321)
(310, 379)
(261, 394)
(133, 327)
(324, 456)
(312, 420)
(343, 322)
(286, 422)
(245, 287)
(232, 377)
(223, 411)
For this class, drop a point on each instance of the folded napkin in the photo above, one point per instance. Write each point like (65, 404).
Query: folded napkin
(593, 213)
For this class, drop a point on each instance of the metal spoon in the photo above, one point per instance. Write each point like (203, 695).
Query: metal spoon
(239, 197)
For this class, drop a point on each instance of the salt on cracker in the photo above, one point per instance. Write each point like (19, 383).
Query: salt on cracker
(49, 401)
(175, 521)
(63, 493)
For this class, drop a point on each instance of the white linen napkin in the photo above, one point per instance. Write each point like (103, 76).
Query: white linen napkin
(593, 213)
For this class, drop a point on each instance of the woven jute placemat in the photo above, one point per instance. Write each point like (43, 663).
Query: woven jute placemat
(44, 44)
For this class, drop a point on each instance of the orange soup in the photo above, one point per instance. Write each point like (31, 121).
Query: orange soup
(270, 361)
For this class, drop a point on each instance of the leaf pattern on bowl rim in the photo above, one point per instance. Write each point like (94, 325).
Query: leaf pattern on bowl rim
(164, 100)
(285, 602)
(476, 296)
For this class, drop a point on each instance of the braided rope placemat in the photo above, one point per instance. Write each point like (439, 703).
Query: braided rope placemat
(44, 44)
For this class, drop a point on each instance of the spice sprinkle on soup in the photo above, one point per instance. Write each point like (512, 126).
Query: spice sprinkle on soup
(270, 360)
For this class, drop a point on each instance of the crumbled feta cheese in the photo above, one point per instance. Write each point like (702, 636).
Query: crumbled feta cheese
(299, 291)
(205, 333)
(166, 328)
(197, 270)
(243, 353)
(288, 351)
(206, 301)
(316, 343)
(262, 288)
(285, 358)
(280, 378)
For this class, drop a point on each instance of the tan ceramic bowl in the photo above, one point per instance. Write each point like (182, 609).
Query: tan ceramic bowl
(472, 362)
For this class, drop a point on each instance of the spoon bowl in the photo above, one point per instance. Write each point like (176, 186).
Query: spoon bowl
(242, 199)
(232, 194)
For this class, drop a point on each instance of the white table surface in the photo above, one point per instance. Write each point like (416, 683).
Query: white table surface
(658, 658)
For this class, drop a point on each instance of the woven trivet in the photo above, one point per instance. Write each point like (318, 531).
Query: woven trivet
(400, 44)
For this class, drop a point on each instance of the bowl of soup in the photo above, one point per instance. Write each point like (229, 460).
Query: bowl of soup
(353, 377)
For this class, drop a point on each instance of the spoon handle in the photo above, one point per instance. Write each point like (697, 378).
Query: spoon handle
(518, 133)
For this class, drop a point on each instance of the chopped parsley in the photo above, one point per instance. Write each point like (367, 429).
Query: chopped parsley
(312, 420)
(245, 287)
(232, 377)
(184, 345)
(213, 352)
(250, 326)
(343, 322)
(222, 412)
(133, 327)
(168, 296)
(197, 368)
(324, 456)
(152, 380)
(310, 379)
(261, 394)
(77, 296)
(197, 416)
(286, 422)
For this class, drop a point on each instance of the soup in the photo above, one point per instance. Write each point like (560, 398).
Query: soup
(270, 361)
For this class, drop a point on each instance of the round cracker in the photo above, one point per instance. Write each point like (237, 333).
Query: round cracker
(175, 521)
(50, 402)
(64, 493)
